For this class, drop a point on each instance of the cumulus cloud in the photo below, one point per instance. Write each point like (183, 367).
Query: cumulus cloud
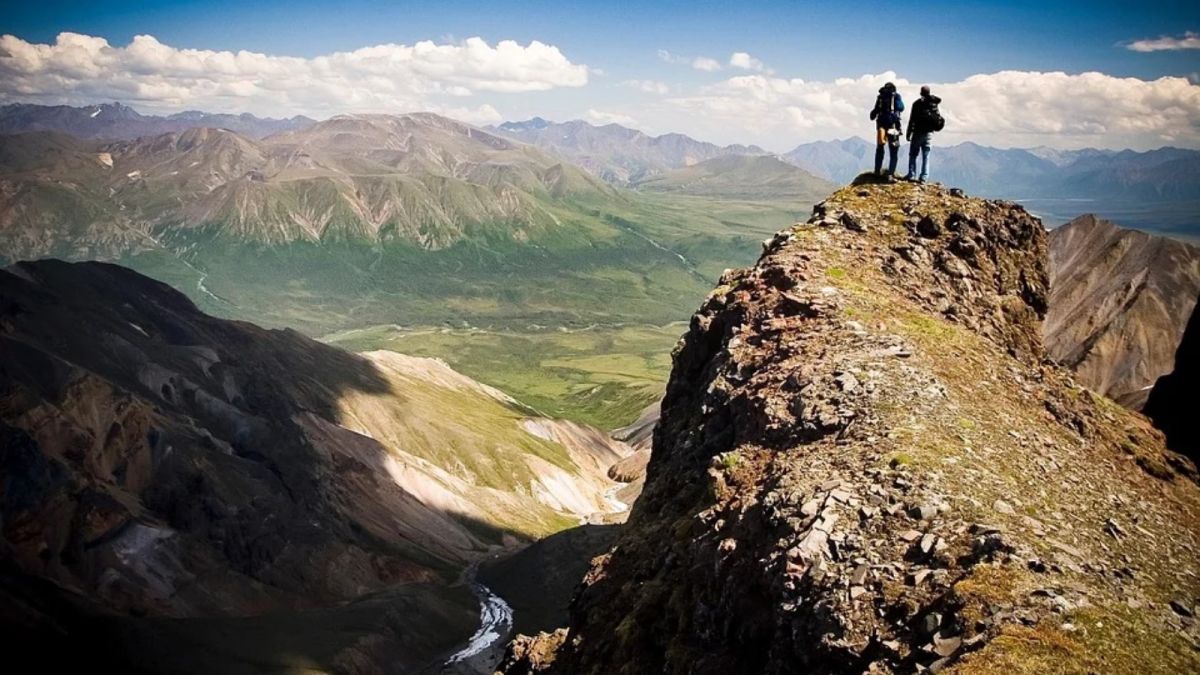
(745, 62)
(706, 64)
(383, 78)
(1008, 108)
(648, 86)
(1166, 43)
(602, 117)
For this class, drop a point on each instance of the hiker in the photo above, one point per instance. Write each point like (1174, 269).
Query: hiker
(922, 123)
(886, 113)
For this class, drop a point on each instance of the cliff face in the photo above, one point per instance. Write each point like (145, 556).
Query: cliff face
(1172, 402)
(865, 464)
(1118, 305)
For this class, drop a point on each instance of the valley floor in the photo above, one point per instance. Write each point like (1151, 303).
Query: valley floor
(602, 375)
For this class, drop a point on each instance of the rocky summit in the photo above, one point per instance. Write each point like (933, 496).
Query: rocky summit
(866, 463)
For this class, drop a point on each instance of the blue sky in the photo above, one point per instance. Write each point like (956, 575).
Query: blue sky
(620, 45)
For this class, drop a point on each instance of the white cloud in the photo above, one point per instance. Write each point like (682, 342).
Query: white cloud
(382, 78)
(1166, 43)
(648, 86)
(602, 117)
(1008, 108)
(698, 62)
(668, 57)
(480, 115)
(745, 62)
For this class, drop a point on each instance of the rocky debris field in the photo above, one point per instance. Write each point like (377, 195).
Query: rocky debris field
(865, 463)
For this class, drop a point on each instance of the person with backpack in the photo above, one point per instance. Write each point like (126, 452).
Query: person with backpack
(886, 114)
(922, 123)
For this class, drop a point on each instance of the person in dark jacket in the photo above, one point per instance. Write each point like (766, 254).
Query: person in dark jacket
(886, 113)
(922, 123)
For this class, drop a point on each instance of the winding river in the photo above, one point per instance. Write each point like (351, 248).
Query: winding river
(495, 622)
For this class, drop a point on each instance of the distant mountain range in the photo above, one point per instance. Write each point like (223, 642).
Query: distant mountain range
(1166, 174)
(377, 219)
(420, 178)
(115, 121)
(615, 153)
(740, 177)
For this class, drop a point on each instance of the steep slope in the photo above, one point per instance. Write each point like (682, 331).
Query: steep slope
(1172, 401)
(615, 153)
(739, 177)
(1119, 300)
(115, 121)
(864, 464)
(161, 463)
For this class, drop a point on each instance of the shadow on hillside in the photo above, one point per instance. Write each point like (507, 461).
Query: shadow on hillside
(275, 531)
(539, 580)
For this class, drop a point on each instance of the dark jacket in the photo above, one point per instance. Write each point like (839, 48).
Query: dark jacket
(918, 120)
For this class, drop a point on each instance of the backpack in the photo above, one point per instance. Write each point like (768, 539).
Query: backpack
(936, 121)
(933, 119)
(888, 106)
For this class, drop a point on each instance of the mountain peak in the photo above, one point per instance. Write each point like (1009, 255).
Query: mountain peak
(865, 464)
(533, 123)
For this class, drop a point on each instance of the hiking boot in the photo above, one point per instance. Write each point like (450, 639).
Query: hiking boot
(908, 177)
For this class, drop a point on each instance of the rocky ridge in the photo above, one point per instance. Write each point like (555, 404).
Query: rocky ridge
(866, 464)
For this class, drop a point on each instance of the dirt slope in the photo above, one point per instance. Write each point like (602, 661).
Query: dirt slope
(1119, 300)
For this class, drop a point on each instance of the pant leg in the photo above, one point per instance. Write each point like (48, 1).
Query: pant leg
(880, 140)
(913, 149)
(925, 156)
(894, 151)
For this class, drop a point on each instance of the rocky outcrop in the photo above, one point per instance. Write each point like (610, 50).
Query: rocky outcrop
(865, 464)
(1172, 402)
(1118, 305)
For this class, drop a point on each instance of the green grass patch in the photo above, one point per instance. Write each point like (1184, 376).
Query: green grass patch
(603, 376)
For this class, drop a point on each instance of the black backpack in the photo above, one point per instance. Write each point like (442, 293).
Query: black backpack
(933, 118)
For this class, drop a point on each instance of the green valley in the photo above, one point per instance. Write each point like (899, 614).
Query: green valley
(601, 375)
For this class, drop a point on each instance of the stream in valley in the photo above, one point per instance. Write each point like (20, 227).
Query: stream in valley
(487, 645)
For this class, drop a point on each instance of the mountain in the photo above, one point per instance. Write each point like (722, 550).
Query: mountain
(837, 161)
(115, 121)
(1118, 305)
(739, 177)
(373, 220)
(420, 178)
(1172, 401)
(615, 153)
(171, 479)
(866, 464)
